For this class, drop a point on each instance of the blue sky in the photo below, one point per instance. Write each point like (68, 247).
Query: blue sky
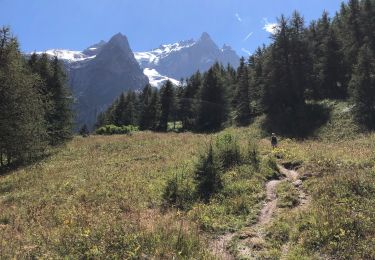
(76, 24)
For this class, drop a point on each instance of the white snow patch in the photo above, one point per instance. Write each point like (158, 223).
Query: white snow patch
(146, 57)
(157, 80)
(155, 55)
(67, 55)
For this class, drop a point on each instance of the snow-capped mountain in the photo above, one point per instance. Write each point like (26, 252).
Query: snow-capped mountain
(154, 56)
(101, 72)
(182, 59)
(167, 62)
(67, 55)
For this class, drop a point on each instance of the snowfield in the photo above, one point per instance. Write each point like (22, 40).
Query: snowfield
(157, 80)
(148, 60)
(153, 57)
(67, 55)
(143, 58)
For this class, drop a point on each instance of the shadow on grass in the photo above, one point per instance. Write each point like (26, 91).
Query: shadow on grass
(11, 168)
(300, 124)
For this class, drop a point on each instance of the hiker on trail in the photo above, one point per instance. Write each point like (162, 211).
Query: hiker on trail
(273, 141)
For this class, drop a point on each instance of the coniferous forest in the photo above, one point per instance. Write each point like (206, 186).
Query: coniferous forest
(35, 103)
(332, 58)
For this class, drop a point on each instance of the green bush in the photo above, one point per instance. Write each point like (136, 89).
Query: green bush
(179, 192)
(252, 155)
(228, 150)
(116, 130)
(208, 174)
(269, 168)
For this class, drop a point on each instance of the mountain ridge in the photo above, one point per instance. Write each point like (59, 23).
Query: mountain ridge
(102, 71)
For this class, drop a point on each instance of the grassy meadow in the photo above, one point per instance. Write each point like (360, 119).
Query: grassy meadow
(104, 197)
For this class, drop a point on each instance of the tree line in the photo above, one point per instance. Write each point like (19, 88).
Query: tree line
(331, 58)
(35, 103)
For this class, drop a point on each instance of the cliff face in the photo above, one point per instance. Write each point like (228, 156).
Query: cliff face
(98, 81)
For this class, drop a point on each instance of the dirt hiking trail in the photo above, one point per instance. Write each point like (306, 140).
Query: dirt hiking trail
(252, 237)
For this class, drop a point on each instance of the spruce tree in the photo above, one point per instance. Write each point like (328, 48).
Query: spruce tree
(327, 60)
(84, 131)
(154, 111)
(167, 104)
(362, 87)
(208, 175)
(189, 101)
(331, 68)
(119, 112)
(131, 113)
(212, 111)
(288, 75)
(22, 126)
(61, 119)
(368, 21)
(242, 96)
(256, 80)
(145, 100)
(348, 27)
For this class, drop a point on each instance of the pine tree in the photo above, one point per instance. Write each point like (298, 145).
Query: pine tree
(167, 104)
(348, 27)
(288, 74)
(131, 113)
(327, 60)
(331, 68)
(242, 96)
(354, 24)
(84, 131)
(22, 126)
(208, 175)
(212, 112)
(145, 100)
(61, 119)
(362, 87)
(154, 110)
(119, 112)
(57, 99)
(101, 120)
(189, 101)
(256, 80)
(368, 21)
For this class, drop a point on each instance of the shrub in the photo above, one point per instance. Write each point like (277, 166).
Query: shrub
(84, 131)
(269, 168)
(116, 130)
(179, 193)
(208, 174)
(228, 150)
(252, 155)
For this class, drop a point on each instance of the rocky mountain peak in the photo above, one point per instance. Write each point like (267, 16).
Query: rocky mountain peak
(119, 40)
(205, 37)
